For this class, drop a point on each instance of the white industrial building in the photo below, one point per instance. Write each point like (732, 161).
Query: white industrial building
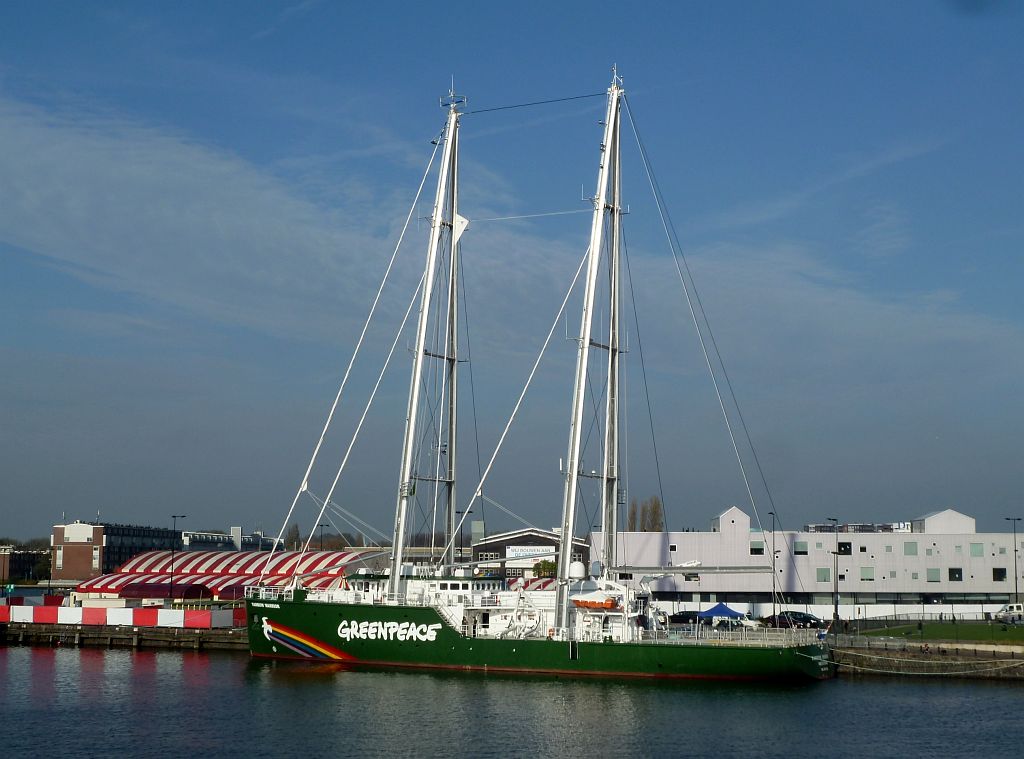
(937, 564)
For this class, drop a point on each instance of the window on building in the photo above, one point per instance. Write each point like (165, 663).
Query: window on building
(672, 547)
(977, 550)
(892, 574)
(95, 557)
(927, 552)
(958, 549)
(910, 548)
(863, 549)
(824, 574)
(933, 575)
(998, 574)
(1002, 550)
(799, 547)
(845, 548)
(757, 548)
(818, 545)
(60, 557)
(867, 574)
(888, 549)
(514, 572)
(956, 574)
(914, 576)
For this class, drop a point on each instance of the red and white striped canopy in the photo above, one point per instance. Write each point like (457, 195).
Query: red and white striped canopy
(225, 574)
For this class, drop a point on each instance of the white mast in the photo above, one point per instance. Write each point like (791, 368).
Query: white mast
(609, 156)
(611, 490)
(445, 217)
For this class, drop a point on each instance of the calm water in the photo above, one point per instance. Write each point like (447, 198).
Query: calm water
(96, 702)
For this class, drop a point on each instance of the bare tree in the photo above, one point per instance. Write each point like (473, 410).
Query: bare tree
(652, 515)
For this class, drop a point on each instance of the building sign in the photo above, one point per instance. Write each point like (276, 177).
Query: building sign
(520, 556)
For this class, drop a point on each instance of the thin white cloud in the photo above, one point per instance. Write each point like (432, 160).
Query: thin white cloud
(786, 204)
(135, 208)
(292, 11)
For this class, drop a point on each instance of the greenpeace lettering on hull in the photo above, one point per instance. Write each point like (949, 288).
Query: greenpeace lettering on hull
(352, 630)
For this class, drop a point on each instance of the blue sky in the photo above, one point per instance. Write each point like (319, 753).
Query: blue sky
(198, 200)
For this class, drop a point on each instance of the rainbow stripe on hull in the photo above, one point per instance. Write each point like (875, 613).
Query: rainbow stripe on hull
(302, 645)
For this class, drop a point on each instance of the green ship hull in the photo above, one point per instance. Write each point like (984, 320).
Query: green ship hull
(370, 635)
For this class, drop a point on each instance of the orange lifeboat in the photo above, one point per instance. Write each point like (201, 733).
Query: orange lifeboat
(596, 601)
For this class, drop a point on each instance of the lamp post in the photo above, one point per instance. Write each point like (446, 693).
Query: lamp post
(321, 526)
(774, 620)
(835, 576)
(1016, 575)
(174, 542)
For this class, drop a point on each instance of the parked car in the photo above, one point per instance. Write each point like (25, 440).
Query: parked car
(797, 619)
(1012, 613)
(683, 618)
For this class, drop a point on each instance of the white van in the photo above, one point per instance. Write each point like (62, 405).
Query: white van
(1013, 613)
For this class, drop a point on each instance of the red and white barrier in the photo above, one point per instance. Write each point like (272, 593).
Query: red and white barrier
(198, 619)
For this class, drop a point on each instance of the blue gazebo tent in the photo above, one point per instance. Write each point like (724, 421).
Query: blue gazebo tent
(719, 610)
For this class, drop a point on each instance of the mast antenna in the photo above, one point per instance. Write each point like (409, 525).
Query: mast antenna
(452, 100)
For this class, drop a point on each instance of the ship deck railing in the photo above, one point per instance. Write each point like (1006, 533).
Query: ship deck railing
(753, 636)
(488, 600)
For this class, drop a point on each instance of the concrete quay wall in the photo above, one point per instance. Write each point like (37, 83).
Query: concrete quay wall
(932, 659)
(119, 636)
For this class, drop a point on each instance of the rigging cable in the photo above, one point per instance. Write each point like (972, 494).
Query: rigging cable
(472, 386)
(348, 370)
(477, 491)
(351, 519)
(643, 373)
(677, 254)
(369, 403)
(536, 102)
(534, 215)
